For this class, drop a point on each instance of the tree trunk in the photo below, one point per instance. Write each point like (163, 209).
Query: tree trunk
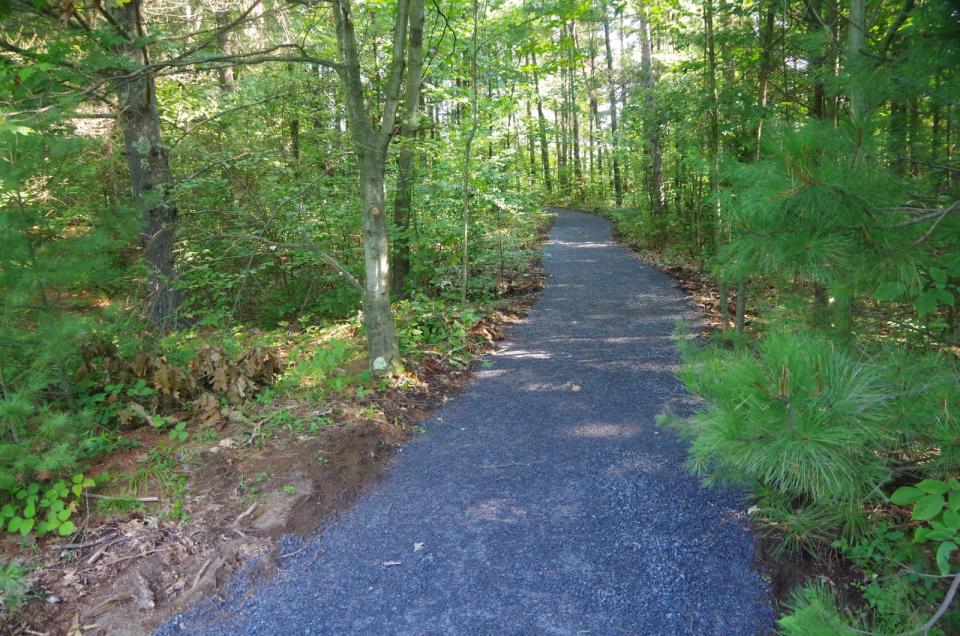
(467, 154)
(544, 148)
(370, 146)
(856, 42)
(658, 195)
(147, 160)
(224, 73)
(612, 88)
(575, 114)
(382, 346)
(295, 139)
(406, 158)
(531, 144)
(714, 145)
(766, 67)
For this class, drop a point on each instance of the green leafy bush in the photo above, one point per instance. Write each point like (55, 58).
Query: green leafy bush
(937, 505)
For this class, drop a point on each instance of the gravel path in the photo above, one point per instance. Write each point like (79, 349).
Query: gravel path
(543, 500)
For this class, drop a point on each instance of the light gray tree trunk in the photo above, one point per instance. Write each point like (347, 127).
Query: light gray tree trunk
(370, 146)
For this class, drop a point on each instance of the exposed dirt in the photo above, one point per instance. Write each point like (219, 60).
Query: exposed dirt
(787, 573)
(242, 491)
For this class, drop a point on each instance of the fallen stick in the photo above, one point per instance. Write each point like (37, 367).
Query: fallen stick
(88, 544)
(132, 556)
(246, 513)
(110, 498)
(200, 573)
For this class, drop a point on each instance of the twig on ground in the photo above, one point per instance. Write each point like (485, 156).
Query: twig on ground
(131, 556)
(246, 513)
(88, 544)
(200, 573)
(290, 554)
(510, 465)
(124, 498)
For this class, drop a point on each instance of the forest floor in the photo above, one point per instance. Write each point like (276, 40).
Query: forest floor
(204, 508)
(542, 499)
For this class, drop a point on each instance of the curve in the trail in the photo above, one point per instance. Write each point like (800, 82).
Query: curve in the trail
(542, 500)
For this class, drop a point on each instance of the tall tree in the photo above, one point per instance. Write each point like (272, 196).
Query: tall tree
(370, 143)
(147, 159)
(658, 196)
(612, 92)
(406, 159)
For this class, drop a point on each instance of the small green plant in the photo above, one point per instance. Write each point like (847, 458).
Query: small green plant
(14, 585)
(179, 433)
(814, 612)
(290, 490)
(937, 504)
(60, 501)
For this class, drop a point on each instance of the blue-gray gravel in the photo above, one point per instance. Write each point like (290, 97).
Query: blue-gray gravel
(542, 500)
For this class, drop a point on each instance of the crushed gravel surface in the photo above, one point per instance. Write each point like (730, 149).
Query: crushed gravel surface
(542, 500)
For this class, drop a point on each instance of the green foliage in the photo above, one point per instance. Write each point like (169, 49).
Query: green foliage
(24, 511)
(893, 584)
(937, 504)
(799, 414)
(814, 612)
(424, 323)
(14, 585)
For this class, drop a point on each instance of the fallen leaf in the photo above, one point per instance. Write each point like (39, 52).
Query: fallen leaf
(417, 547)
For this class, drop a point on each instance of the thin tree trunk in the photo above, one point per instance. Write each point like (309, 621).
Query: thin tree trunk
(856, 42)
(544, 148)
(658, 195)
(714, 145)
(147, 160)
(467, 150)
(575, 114)
(741, 305)
(766, 67)
(225, 74)
(531, 143)
(406, 158)
(612, 88)
(295, 139)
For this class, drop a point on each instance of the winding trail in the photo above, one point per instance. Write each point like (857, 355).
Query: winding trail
(542, 500)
